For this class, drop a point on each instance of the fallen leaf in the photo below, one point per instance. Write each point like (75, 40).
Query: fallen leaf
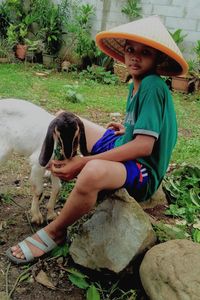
(43, 279)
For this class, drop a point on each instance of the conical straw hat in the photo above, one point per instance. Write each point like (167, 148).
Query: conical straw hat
(149, 31)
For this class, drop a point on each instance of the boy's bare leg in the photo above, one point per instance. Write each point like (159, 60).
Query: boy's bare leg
(97, 175)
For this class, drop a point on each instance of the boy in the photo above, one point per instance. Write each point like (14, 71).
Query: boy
(134, 155)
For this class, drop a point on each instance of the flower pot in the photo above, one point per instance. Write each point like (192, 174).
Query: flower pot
(183, 84)
(20, 51)
(48, 60)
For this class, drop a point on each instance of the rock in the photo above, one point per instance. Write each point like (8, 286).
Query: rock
(118, 231)
(158, 198)
(171, 270)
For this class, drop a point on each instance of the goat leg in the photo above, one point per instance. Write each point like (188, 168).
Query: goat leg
(56, 185)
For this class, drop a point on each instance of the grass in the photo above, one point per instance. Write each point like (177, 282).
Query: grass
(21, 81)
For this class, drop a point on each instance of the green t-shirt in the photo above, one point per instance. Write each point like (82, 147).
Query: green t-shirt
(151, 112)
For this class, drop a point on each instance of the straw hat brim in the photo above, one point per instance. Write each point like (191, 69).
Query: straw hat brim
(112, 43)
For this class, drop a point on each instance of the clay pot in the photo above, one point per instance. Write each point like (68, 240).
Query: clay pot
(20, 51)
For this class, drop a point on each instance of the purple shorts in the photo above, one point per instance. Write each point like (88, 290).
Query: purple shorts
(137, 175)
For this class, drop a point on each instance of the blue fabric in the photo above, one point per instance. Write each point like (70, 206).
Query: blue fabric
(137, 175)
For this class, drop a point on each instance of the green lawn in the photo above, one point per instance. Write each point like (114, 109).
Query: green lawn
(21, 81)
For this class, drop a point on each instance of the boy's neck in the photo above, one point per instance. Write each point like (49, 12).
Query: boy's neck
(137, 81)
(136, 84)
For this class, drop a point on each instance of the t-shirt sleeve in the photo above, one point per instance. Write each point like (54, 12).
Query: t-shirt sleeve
(149, 117)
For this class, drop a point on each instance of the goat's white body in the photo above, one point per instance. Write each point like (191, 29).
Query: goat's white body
(23, 128)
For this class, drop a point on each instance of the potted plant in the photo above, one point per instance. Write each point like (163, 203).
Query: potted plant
(50, 22)
(191, 81)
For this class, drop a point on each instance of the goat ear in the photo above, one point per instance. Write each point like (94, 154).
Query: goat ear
(47, 147)
(83, 143)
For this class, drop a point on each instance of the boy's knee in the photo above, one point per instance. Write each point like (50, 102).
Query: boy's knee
(91, 175)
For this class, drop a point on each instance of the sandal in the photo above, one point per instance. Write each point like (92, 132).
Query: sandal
(48, 245)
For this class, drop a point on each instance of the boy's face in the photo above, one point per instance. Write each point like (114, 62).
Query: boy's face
(139, 59)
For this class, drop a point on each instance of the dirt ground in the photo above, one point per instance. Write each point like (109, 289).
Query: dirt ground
(14, 226)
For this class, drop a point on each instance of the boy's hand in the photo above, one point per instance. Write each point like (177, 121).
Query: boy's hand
(117, 127)
(67, 169)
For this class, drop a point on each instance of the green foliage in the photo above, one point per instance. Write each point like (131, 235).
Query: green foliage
(67, 187)
(7, 198)
(197, 50)
(178, 37)
(58, 152)
(72, 95)
(5, 49)
(92, 293)
(196, 235)
(166, 232)
(183, 189)
(51, 21)
(4, 20)
(79, 28)
(98, 74)
(132, 9)
(194, 64)
(115, 293)
(61, 250)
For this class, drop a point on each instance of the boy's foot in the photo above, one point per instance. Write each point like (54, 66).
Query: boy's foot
(33, 248)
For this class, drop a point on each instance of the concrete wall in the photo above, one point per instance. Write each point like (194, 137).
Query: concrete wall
(175, 14)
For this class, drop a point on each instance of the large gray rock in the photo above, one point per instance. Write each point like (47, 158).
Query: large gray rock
(118, 231)
(171, 270)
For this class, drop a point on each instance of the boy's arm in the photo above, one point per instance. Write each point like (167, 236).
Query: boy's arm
(141, 146)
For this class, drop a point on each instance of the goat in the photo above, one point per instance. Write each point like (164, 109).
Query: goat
(28, 129)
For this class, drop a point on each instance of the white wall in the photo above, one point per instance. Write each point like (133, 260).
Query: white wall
(175, 14)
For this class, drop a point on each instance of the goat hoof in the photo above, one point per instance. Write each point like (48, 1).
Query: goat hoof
(37, 219)
(51, 216)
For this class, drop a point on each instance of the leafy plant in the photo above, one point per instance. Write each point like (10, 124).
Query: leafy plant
(4, 20)
(78, 27)
(98, 74)
(178, 36)
(132, 9)
(72, 95)
(7, 198)
(194, 64)
(166, 232)
(183, 189)
(61, 250)
(4, 48)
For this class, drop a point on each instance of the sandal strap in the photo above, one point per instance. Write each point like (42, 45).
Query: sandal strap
(26, 251)
(36, 244)
(50, 244)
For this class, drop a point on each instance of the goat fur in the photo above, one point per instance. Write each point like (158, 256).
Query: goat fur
(25, 129)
